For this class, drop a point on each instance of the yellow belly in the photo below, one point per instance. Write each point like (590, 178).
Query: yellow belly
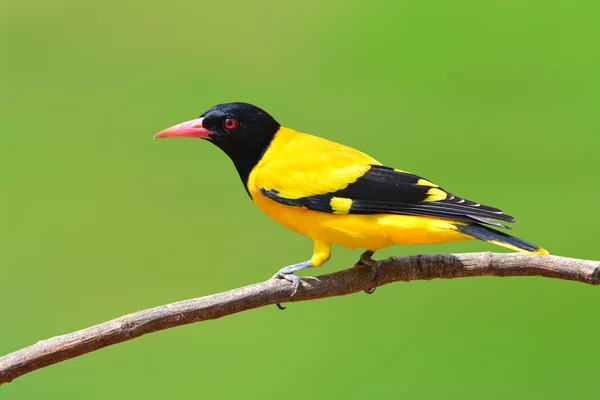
(370, 232)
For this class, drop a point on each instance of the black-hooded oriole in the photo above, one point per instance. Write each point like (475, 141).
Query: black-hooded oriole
(335, 194)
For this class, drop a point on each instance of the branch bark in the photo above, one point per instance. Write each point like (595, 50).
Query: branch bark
(273, 291)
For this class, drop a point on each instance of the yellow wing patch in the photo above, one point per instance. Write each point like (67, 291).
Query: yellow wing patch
(340, 205)
(435, 194)
(425, 182)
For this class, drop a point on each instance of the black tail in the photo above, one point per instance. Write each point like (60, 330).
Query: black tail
(500, 239)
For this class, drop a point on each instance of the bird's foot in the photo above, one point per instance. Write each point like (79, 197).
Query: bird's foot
(290, 278)
(365, 259)
(287, 273)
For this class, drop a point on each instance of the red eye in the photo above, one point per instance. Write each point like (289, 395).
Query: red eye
(230, 123)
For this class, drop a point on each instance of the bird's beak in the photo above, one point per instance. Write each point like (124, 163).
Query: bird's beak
(191, 128)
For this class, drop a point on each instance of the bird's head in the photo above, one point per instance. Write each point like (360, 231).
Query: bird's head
(236, 128)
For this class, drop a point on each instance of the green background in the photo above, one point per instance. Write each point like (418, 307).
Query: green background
(495, 100)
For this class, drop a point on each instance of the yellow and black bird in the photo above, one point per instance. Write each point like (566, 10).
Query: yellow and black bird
(337, 195)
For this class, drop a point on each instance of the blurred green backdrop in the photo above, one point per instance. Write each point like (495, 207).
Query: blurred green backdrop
(497, 101)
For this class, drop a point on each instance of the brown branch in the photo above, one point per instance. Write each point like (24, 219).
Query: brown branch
(274, 291)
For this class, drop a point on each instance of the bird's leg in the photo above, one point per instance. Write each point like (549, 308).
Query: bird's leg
(321, 254)
(365, 259)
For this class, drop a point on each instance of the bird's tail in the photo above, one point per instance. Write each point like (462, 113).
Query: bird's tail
(500, 239)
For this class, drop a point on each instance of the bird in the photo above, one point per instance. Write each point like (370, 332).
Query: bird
(335, 194)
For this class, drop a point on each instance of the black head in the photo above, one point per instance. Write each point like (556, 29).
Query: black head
(241, 130)
(239, 127)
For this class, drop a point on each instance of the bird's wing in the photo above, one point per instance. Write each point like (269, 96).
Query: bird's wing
(320, 175)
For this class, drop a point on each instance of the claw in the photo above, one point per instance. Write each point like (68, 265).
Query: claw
(365, 259)
(295, 281)
(287, 273)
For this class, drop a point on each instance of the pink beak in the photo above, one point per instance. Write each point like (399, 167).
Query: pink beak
(191, 128)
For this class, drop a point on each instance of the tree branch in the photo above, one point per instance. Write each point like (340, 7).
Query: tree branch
(274, 291)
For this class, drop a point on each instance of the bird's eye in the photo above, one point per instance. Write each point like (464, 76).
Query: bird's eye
(230, 123)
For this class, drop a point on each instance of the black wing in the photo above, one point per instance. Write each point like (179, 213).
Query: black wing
(384, 190)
